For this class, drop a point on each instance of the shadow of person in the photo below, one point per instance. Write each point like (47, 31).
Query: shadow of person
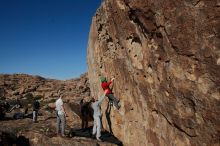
(108, 118)
(105, 135)
(22, 141)
(10, 139)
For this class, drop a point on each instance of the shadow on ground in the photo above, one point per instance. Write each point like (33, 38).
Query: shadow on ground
(105, 135)
(9, 139)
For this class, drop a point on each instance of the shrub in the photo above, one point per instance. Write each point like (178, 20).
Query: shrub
(38, 97)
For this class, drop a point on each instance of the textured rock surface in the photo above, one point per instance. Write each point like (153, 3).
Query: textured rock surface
(43, 133)
(165, 57)
(22, 86)
(27, 87)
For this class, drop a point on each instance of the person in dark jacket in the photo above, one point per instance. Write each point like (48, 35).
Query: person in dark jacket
(86, 113)
(36, 107)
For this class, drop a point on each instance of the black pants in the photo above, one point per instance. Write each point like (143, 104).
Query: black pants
(113, 99)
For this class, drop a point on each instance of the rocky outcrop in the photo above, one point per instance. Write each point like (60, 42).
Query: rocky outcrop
(27, 133)
(165, 57)
(26, 88)
(23, 132)
(23, 86)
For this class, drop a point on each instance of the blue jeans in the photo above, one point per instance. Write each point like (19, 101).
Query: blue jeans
(96, 126)
(61, 122)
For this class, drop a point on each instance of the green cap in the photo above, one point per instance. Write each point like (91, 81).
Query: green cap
(103, 79)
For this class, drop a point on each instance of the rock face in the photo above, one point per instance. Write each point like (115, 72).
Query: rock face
(165, 56)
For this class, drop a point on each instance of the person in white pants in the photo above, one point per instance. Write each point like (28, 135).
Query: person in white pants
(61, 116)
(96, 105)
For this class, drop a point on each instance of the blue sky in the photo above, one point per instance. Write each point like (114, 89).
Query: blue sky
(45, 37)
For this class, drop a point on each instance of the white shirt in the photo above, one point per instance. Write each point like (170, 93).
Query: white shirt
(59, 104)
(96, 106)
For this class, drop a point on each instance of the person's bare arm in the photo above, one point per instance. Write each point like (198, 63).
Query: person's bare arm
(102, 97)
(111, 83)
(112, 79)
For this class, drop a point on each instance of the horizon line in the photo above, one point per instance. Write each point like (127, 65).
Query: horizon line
(45, 77)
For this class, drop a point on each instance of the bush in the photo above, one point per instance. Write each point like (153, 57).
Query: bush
(28, 99)
(29, 96)
(38, 97)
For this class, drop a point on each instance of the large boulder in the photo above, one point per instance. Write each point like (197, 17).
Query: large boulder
(165, 57)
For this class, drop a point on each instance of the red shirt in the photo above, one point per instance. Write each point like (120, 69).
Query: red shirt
(105, 86)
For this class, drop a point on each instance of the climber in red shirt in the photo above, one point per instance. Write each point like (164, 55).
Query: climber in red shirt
(105, 86)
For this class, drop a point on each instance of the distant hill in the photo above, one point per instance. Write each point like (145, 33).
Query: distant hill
(22, 86)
